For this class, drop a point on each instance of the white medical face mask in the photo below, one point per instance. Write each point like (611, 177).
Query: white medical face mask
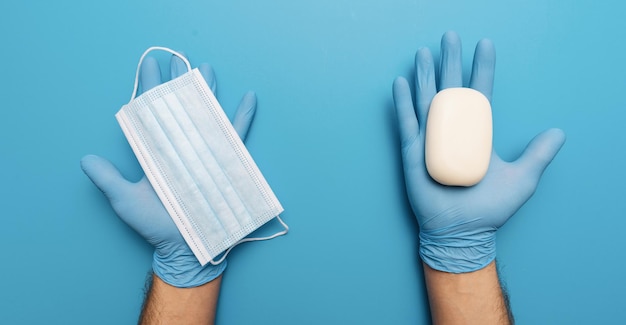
(197, 164)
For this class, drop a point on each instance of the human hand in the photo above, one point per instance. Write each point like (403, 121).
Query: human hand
(138, 205)
(458, 224)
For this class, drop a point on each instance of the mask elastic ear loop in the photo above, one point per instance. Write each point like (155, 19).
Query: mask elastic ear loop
(143, 56)
(280, 233)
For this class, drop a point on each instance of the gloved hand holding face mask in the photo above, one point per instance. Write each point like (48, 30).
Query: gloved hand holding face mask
(138, 205)
(458, 224)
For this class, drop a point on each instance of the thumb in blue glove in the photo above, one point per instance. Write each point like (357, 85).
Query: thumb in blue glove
(138, 205)
(458, 224)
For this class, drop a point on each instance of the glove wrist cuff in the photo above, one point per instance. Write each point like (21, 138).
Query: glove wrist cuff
(457, 254)
(183, 270)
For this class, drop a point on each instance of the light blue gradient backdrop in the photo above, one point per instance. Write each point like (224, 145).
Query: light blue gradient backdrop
(325, 138)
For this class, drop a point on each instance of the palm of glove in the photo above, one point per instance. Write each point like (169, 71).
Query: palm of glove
(138, 205)
(487, 205)
(458, 224)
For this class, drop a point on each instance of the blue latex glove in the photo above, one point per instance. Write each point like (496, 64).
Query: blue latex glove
(138, 205)
(458, 224)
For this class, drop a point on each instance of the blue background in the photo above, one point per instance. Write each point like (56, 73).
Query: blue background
(325, 138)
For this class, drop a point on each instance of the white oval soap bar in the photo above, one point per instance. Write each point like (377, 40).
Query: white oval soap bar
(458, 137)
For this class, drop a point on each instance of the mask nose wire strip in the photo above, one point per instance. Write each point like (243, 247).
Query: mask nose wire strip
(280, 233)
(143, 56)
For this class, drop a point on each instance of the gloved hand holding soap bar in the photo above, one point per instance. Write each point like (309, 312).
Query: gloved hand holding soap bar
(458, 224)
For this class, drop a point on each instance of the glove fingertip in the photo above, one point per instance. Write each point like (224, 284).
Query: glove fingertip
(486, 45)
(248, 104)
(245, 114)
(401, 89)
(408, 126)
(250, 97)
(451, 34)
(103, 174)
(400, 82)
(549, 143)
(541, 150)
(424, 59)
(450, 38)
(209, 75)
(177, 65)
(558, 136)
(88, 162)
(149, 74)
